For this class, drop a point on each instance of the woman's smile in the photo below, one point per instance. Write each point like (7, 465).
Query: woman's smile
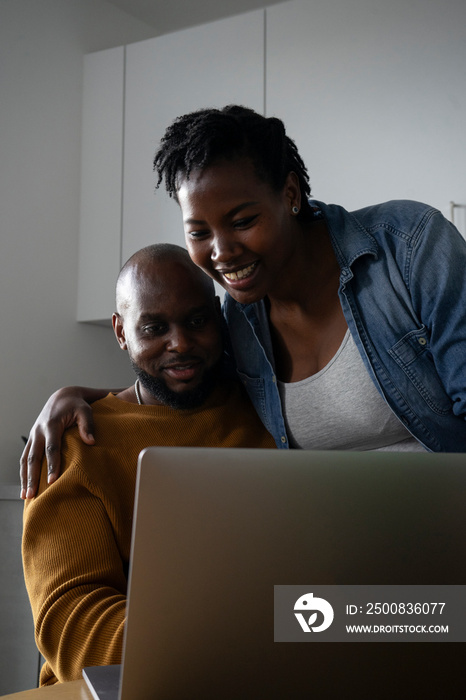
(239, 279)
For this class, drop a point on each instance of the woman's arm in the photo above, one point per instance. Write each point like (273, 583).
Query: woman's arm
(438, 290)
(66, 407)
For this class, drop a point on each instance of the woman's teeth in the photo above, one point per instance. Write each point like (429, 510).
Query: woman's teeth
(240, 274)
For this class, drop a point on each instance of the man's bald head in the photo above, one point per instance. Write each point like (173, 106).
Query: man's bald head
(155, 263)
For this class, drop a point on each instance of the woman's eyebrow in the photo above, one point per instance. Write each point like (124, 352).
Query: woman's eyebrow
(232, 212)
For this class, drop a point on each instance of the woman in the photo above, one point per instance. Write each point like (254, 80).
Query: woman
(348, 330)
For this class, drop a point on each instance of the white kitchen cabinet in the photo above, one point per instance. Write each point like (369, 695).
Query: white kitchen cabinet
(373, 94)
(157, 80)
(372, 98)
(207, 66)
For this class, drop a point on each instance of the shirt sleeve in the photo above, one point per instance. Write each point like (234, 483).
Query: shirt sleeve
(438, 288)
(75, 577)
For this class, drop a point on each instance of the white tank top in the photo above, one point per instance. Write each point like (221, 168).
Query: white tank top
(339, 408)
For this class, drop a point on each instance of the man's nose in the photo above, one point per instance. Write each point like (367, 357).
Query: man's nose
(179, 340)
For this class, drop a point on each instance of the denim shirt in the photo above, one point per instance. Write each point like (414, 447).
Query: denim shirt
(403, 293)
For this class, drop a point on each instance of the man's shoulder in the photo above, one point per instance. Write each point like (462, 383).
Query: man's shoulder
(112, 418)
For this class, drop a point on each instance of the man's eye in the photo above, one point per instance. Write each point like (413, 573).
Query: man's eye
(198, 322)
(154, 329)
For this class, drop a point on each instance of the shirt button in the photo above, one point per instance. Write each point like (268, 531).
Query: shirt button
(274, 379)
(422, 341)
(283, 439)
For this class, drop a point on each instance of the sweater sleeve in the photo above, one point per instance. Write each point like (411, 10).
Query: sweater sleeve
(75, 577)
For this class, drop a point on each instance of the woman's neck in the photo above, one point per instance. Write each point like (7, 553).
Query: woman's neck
(311, 278)
(306, 319)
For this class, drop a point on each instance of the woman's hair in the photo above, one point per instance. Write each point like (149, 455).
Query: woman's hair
(199, 139)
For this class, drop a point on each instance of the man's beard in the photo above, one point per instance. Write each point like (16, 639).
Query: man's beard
(192, 398)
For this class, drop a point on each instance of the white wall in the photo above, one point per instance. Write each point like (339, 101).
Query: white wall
(42, 43)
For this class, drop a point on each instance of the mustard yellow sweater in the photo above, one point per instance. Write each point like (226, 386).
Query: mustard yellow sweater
(77, 532)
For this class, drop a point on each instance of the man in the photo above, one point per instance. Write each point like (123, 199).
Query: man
(77, 531)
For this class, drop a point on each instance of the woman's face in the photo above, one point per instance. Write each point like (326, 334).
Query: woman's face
(238, 229)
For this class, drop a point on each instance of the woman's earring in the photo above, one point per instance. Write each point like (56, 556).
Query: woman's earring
(295, 210)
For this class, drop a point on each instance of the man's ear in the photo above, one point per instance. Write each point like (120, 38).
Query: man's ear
(119, 330)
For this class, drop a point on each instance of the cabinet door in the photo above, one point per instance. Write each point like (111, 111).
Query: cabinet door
(373, 94)
(207, 66)
(101, 177)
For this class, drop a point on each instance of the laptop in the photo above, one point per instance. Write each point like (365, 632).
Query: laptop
(216, 529)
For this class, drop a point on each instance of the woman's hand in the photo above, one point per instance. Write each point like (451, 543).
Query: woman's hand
(65, 408)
